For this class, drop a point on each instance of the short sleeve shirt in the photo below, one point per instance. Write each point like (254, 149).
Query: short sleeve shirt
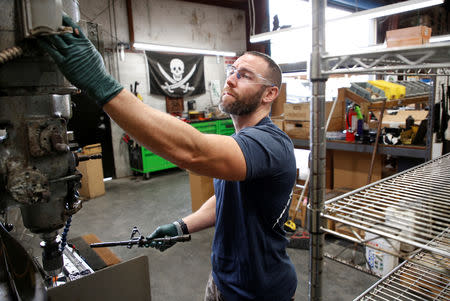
(249, 256)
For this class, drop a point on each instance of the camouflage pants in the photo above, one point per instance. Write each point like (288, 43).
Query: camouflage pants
(212, 293)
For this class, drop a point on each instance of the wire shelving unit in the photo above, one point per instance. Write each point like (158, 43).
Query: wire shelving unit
(412, 208)
(424, 59)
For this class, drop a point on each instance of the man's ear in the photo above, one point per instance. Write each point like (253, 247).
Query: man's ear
(271, 94)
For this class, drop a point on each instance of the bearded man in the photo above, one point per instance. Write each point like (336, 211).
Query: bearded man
(254, 169)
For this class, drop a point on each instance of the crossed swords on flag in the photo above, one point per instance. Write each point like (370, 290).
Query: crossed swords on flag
(177, 84)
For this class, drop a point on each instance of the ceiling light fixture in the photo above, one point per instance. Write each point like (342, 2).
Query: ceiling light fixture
(381, 11)
(165, 48)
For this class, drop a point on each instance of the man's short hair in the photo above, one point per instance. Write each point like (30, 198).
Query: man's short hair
(274, 72)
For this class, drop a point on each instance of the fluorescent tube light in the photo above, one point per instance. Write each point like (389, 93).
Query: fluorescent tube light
(381, 11)
(395, 8)
(265, 36)
(156, 47)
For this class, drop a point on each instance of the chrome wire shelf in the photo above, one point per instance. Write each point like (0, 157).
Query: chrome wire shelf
(424, 58)
(410, 281)
(412, 207)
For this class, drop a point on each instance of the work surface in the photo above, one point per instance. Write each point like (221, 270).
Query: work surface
(181, 272)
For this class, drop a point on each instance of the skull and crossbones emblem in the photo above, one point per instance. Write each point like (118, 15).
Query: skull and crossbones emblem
(177, 80)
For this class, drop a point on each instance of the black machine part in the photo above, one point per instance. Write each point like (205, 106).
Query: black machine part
(140, 240)
(21, 271)
(37, 167)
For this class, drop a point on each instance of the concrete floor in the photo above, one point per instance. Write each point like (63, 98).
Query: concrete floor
(181, 272)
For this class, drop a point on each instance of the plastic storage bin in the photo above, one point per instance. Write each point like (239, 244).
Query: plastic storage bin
(367, 91)
(379, 262)
(391, 90)
(414, 88)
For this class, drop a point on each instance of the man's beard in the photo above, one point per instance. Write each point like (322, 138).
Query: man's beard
(243, 106)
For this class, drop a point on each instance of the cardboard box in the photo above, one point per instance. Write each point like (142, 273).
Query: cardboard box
(202, 188)
(416, 35)
(352, 168)
(92, 184)
(278, 104)
(279, 122)
(301, 111)
(92, 149)
(300, 129)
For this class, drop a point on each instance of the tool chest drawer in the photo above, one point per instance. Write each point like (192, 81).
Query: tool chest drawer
(225, 127)
(207, 127)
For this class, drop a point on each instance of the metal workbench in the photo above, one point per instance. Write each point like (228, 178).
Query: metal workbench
(420, 193)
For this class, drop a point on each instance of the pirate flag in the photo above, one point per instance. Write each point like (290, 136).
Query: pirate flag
(176, 75)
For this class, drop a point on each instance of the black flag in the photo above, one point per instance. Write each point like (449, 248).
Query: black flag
(176, 75)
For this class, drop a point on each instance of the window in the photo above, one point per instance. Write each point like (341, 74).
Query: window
(295, 46)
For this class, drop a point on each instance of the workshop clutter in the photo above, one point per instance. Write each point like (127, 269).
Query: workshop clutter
(404, 127)
(297, 118)
(92, 184)
(400, 123)
(377, 90)
(356, 129)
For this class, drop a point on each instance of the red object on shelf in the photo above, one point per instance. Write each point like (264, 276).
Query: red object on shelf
(350, 135)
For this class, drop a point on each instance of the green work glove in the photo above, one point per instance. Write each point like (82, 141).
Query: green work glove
(81, 63)
(170, 230)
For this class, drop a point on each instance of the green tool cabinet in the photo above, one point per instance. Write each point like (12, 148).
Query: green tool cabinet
(144, 161)
(225, 127)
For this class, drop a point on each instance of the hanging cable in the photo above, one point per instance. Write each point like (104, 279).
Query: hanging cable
(10, 53)
(64, 234)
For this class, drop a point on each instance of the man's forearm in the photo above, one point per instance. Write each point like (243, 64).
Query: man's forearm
(216, 156)
(146, 124)
(203, 218)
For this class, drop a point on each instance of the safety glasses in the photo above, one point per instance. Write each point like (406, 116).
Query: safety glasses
(248, 77)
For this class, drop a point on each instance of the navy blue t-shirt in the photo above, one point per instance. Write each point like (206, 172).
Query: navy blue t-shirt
(249, 259)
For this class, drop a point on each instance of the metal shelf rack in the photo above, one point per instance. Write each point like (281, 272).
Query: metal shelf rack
(412, 207)
(394, 150)
(413, 59)
(410, 281)
(362, 208)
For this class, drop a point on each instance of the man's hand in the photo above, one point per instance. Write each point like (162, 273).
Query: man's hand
(161, 232)
(81, 63)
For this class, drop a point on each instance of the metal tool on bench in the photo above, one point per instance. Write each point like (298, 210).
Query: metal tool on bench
(140, 240)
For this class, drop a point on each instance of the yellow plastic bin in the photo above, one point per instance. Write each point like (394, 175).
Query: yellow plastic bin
(391, 90)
